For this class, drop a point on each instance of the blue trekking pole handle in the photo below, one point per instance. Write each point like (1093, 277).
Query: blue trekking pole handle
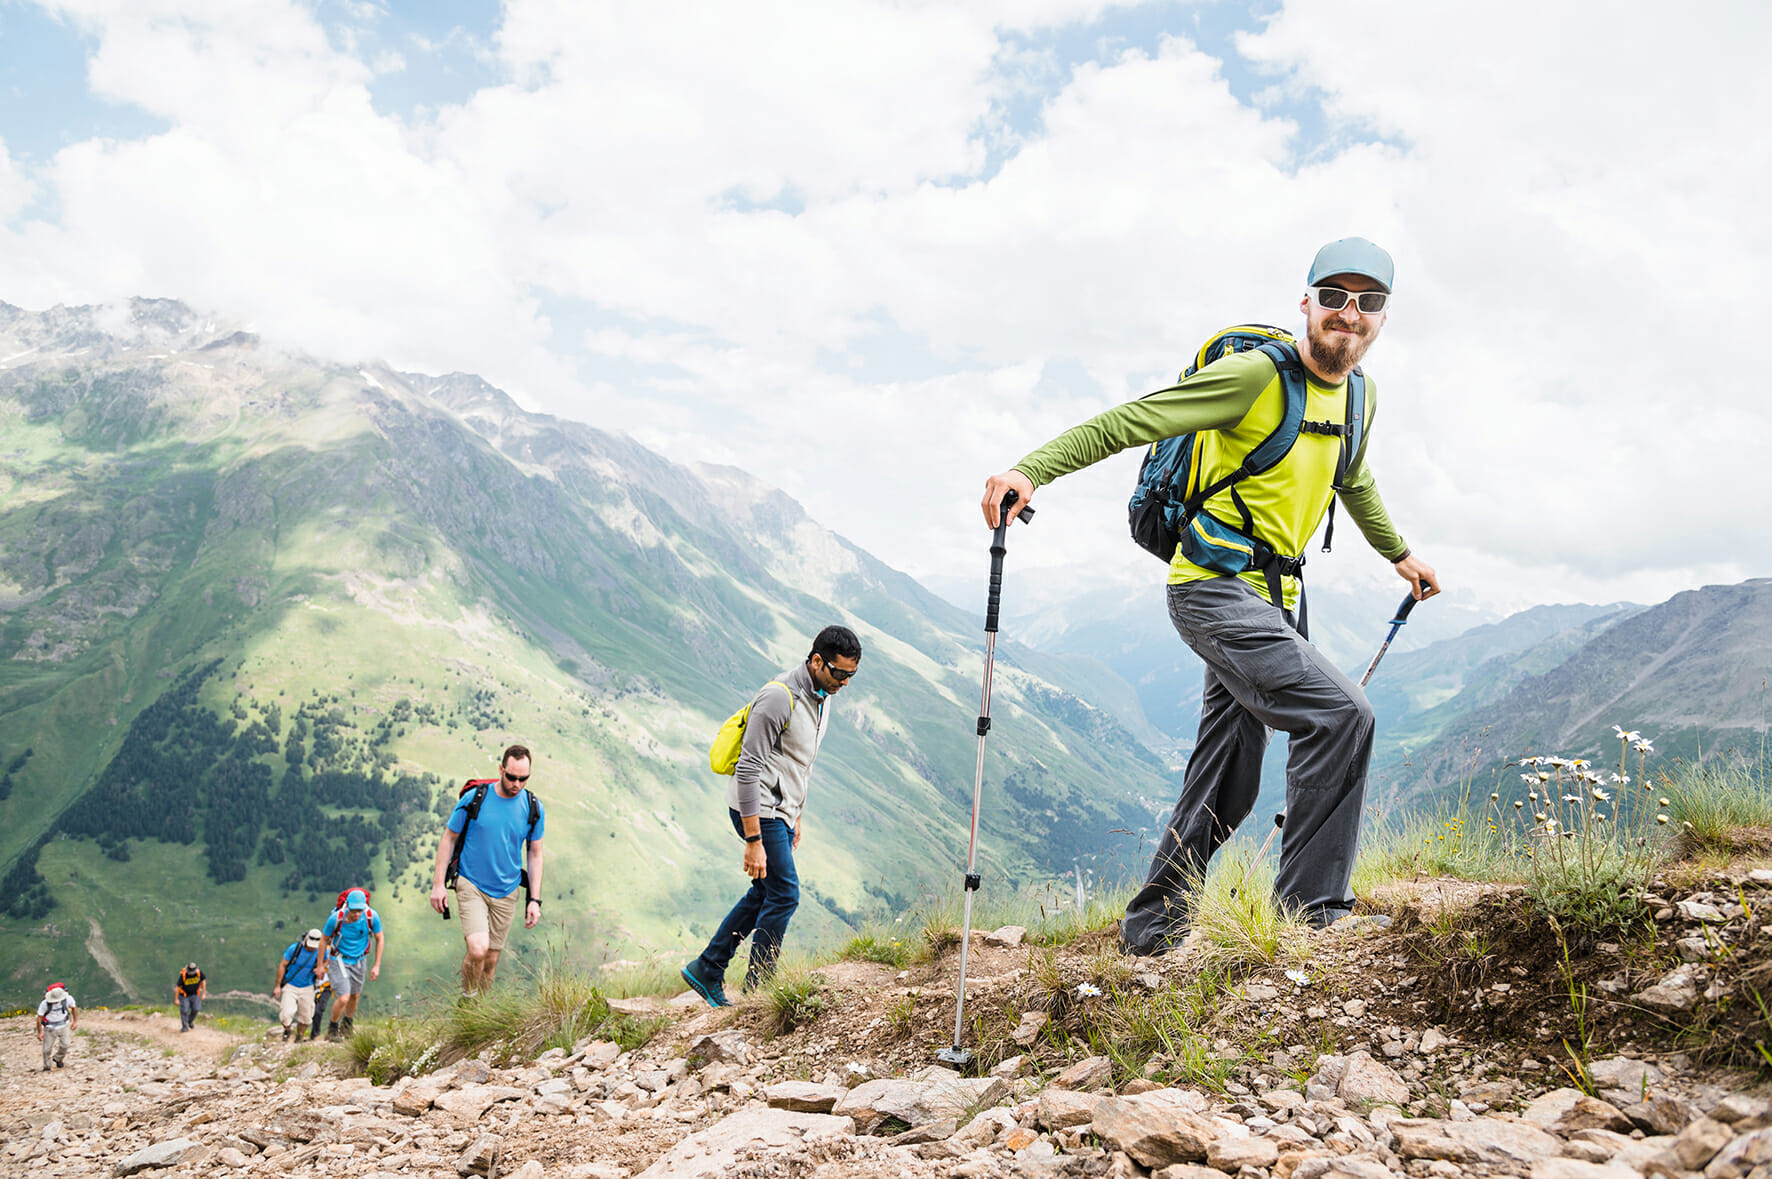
(1403, 609)
(995, 599)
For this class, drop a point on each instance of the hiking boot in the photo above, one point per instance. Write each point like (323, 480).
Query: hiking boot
(332, 1031)
(713, 990)
(60, 1063)
(287, 1032)
(347, 1025)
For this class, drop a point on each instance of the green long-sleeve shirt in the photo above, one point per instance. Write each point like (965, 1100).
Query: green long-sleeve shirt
(1236, 402)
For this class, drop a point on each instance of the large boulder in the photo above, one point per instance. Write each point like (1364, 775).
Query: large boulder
(1510, 1147)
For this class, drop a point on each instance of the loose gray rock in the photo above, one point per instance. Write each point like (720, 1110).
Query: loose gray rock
(729, 1047)
(1157, 1129)
(161, 1154)
(1564, 1111)
(1487, 1141)
(481, 1156)
(1009, 936)
(1059, 1109)
(1677, 991)
(804, 1096)
(1366, 1082)
(1697, 1144)
(715, 1149)
(918, 1102)
(1089, 1073)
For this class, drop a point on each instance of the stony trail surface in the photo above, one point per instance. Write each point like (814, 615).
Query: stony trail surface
(1393, 1089)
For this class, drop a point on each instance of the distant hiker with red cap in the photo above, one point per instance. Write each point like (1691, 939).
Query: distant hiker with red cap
(190, 988)
(1275, 430)
(57, 1017)
(344, 943)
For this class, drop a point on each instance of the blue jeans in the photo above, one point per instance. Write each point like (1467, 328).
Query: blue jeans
(762, 914)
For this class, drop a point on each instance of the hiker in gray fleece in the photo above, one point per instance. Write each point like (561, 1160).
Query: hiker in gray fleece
(782, 733)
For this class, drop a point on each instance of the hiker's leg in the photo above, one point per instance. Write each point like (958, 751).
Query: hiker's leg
(476, 928)
(781, 896)
(1222, 778)
(1325, 792)
(351, 1004)
(499, 912)
(48, 1046)
(1289, 685)
(737, 926)
(64, 1040)
(196, 1008)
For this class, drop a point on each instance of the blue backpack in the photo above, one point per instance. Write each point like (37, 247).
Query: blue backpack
(1166, 510)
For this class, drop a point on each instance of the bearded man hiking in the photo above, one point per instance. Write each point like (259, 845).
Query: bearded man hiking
(1234, 593)
(491, 846)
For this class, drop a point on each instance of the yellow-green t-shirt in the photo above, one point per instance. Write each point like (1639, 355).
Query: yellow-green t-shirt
(1235, 403)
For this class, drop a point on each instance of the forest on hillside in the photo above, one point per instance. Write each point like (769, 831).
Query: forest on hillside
(314, 791)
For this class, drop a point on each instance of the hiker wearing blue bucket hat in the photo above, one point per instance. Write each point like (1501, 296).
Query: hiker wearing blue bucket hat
(1249, 451)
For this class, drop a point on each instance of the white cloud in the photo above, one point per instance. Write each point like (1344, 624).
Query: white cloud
(1567, 402)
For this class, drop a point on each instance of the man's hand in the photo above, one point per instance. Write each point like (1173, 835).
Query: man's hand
(375, 972)
(799, 827)
(39, 1033)
(756, 861)
(439, 898)
(997, 486)
(531, 914)
(277, 991)
(1415, 571)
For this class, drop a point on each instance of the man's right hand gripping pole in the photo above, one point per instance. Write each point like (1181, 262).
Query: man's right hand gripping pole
(997, 486)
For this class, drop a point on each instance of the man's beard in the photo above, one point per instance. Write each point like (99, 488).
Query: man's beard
(1337, 353)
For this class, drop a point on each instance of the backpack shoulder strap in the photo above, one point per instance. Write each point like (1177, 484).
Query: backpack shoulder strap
(1278, 444)
(534, 813)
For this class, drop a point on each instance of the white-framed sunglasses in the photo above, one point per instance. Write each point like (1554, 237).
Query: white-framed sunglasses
(1334, 299)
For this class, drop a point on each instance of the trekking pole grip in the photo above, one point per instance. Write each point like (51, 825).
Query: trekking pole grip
(995, 598)
(1407, 605)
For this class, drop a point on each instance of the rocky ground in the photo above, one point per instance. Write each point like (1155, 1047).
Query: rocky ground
(1457, 1041)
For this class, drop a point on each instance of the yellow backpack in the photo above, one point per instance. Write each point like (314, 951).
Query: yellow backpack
(729, 741)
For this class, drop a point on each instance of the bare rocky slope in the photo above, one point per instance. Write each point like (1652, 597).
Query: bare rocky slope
(1438, 1046)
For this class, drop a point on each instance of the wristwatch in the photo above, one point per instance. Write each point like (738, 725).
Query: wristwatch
(753, 839)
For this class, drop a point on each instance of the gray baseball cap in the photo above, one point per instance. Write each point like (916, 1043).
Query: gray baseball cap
(1351, 255)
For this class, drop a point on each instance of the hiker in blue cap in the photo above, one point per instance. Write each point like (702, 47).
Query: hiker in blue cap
(344, 945)
(1243, 516)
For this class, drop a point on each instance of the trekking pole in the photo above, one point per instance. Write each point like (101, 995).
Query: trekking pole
(956, 1055)
(1408, 604)
(1402, 617)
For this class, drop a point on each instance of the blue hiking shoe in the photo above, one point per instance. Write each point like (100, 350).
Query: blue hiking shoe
(713, 990)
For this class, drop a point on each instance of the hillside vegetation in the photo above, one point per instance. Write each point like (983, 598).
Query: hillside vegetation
(261, 614)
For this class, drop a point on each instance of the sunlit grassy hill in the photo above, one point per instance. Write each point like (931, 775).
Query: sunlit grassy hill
(260, 614)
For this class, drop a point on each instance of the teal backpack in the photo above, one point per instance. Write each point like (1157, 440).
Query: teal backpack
(1167, 508)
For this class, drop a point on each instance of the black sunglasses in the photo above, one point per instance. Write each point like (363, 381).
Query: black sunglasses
(836, 672)
(509, 777)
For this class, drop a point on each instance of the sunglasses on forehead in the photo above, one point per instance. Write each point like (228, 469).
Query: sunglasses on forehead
(1334, 299)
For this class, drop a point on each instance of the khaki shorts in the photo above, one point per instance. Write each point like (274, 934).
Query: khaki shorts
(483, 914)
(297, 1006)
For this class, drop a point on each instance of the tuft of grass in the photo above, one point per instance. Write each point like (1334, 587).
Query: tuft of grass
(1718, 806)
(794, 997)
(878, 945)
(625, 981)
(1240, 921)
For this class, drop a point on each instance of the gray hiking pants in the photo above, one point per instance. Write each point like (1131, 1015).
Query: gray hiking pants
(1260, 674)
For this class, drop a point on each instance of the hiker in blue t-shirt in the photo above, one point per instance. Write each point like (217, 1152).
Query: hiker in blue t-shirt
(344, 939)
(500, 850)
(296, 974)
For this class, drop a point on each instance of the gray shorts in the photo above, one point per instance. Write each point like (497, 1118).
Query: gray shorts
(347, 977)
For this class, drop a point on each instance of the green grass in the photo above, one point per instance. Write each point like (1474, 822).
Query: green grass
(1240, 921)
(1711, 803)
(553, 1007)
(795, 996)
(876, 944)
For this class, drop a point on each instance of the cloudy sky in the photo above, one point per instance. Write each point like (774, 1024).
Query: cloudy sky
(873, 252)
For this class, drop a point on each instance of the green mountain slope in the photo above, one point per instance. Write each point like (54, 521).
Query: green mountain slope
(260, 614)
